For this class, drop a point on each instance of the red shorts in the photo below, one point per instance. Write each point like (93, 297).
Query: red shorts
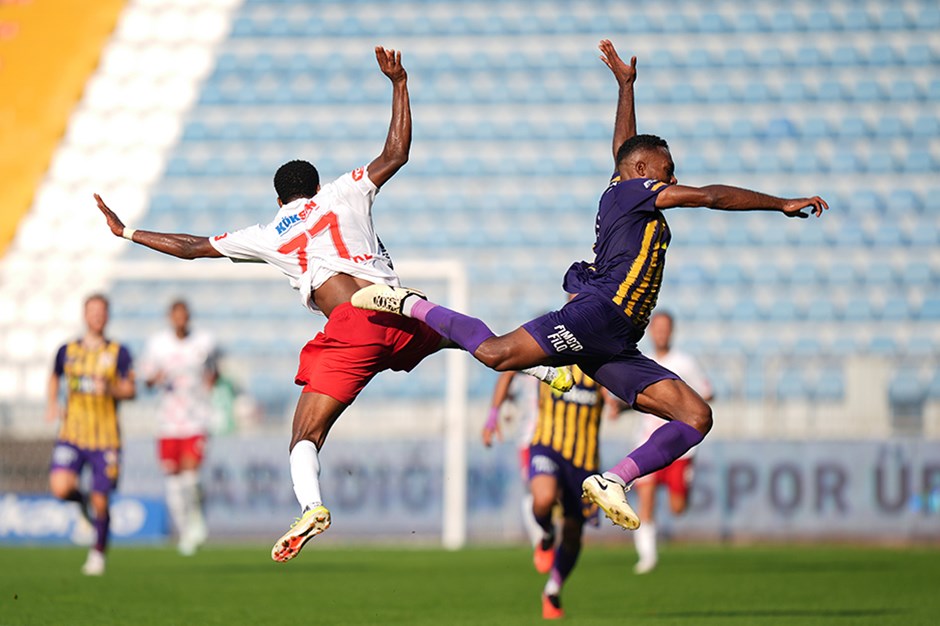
(355, 345)
(174, 450)
(524, 463)
(677, 477)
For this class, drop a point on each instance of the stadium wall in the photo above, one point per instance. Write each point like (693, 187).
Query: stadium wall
(391, 490)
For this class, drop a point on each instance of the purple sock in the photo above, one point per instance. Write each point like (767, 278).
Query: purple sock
(564, 563)
(101, 532)
(545, 523)
(467, 332)
(665, 445)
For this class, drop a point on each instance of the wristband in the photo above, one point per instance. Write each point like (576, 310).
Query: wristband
(128, 233)
(492, 419)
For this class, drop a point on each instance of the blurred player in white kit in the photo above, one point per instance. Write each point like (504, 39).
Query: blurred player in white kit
(181, 364)
(676, 477)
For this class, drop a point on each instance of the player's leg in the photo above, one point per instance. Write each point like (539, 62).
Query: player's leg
(314, 416)
(649, 387)
(63, 484)
(64, 472)
(544, 489)
(516, 351)
(105, 465)
(566, 556)
(195, 531)
(678, 480)
(532, 527)
(690, 419)
(645, 536)
(168, 450)
(63, 475)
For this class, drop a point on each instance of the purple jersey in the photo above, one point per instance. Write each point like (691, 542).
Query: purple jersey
(629, 252)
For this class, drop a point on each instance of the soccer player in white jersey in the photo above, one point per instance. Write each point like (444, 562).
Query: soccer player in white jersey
(181, 364)
(323, 240)
(522, 393)
(676, 477)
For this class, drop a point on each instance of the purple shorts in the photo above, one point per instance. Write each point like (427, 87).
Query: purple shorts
(544, 460)
(589, 331)
(104, 464)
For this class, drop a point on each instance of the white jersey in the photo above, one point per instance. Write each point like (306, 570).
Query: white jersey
(689, 371)
(524, 391)
(312, 239)
(186, 403)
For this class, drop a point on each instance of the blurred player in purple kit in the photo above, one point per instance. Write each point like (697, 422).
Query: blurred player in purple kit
(98, 373)
(562, 452)
(598, 330)
(677, 476)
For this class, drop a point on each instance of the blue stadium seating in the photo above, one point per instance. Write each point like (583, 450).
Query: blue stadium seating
(848, 106)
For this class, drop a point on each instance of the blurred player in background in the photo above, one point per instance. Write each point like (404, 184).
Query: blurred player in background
(98, 373)
(181, 364)
(562, 452)
(324, 240)
(599, 329)
(677, 476)
(522, 393)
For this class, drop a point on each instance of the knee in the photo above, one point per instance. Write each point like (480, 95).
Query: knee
(699, 417)
(61, 487)
(542, 505)
(495, 355)
(58, 490)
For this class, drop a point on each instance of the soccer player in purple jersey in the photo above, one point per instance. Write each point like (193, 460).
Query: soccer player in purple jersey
(98, 373)
(599, 328)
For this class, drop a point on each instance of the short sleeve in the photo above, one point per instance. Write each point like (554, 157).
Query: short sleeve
(241, 245)
(59, 366)
(124, 362)
(356, 189)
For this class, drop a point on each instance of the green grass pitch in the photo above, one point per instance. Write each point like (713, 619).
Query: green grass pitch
(707, 585)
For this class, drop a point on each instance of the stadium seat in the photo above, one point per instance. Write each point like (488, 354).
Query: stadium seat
(829, 386)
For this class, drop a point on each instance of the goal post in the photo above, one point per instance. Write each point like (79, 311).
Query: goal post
(452, 272)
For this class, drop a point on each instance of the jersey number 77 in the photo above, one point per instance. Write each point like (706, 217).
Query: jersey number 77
(299, 243)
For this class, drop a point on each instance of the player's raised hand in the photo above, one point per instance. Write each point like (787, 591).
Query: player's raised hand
(390, 63)
(795, 206)
(625, 74)
(114, 222)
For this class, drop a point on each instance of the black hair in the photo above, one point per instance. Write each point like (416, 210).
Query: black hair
(639, 142)
(296, 179)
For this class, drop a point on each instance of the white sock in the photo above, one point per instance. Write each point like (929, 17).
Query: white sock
(552, 587)
(614, 478)
(190, 481)
(176, 501)
(408, 304)
(645, 539)
(532, 527)
(544, 373)
(305, 474)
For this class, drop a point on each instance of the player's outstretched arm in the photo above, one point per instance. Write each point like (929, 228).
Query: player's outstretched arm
(727, 198)
(500, 394)
(398, 142)
(625, 123)
(178, 245)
